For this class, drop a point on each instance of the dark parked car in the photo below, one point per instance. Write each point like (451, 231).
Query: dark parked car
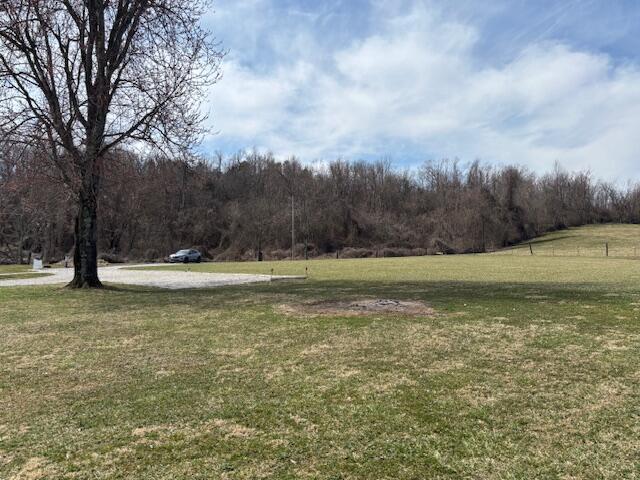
(185, 256)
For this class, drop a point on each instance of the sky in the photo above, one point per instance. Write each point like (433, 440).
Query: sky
(526, 82)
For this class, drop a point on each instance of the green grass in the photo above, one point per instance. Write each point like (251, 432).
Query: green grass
(19, 276)
(18, 272)
(586, 241)
(394, 272)
(530, 369)
(14, 268)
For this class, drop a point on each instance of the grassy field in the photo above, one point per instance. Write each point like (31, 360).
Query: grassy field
(18, 272)
(19, 276)
(530, 368)
(6, 269)
(587, 241)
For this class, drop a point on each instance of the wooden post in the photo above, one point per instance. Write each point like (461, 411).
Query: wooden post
(530, 248)
(606, 249)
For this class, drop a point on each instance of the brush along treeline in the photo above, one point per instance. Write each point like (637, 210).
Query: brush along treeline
(234, 207)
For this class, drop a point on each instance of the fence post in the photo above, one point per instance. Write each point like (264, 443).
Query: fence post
(530, 248)
(606, 249)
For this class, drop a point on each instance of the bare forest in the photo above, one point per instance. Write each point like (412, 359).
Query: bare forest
(241, 207)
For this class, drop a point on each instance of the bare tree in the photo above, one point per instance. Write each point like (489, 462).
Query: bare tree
(81, 77)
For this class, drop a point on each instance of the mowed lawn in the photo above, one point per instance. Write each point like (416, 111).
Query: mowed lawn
(529, 369)
(13, 269)
(18, 272)
(589, 240)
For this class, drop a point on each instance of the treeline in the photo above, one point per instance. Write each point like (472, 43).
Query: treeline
(241, 207)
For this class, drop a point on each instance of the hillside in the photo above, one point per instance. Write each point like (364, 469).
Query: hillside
(585, 241)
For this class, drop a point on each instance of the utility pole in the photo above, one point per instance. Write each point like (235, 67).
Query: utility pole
(293, 233)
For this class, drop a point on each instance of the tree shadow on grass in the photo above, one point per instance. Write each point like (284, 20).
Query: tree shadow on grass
(539, 241)
(444, 296)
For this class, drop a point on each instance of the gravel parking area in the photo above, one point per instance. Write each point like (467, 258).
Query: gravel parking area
(147, 278)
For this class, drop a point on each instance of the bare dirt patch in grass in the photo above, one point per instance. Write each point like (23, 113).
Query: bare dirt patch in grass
(365, 306)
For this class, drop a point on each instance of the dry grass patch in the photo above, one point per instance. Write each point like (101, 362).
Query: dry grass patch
(226, 427)
(232, 429)
(388, 382)
(35, 468)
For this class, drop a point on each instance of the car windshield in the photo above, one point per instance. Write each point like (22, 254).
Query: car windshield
(182, 252)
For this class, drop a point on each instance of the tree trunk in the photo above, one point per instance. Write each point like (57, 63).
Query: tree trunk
(85, 257)
(21, 240)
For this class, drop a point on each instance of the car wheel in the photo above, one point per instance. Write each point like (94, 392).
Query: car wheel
(198, 260)
(186, 260)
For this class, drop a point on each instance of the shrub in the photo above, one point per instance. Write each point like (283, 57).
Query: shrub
(152, 255)
(229, 255)
(111, 258)
(350, 252)
(440, 246)
(396, 252)
(250, 255)
(279, 254)
(312, 250)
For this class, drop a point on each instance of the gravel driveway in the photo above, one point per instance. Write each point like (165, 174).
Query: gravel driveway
(148, 278)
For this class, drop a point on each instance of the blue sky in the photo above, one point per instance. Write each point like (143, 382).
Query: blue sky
(529, 82)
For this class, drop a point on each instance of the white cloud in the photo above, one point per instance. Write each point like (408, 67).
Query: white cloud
(419, 82)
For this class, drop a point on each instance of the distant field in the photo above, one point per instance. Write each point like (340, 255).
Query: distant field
(587, 241)
(446, 269)
(528, 368)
